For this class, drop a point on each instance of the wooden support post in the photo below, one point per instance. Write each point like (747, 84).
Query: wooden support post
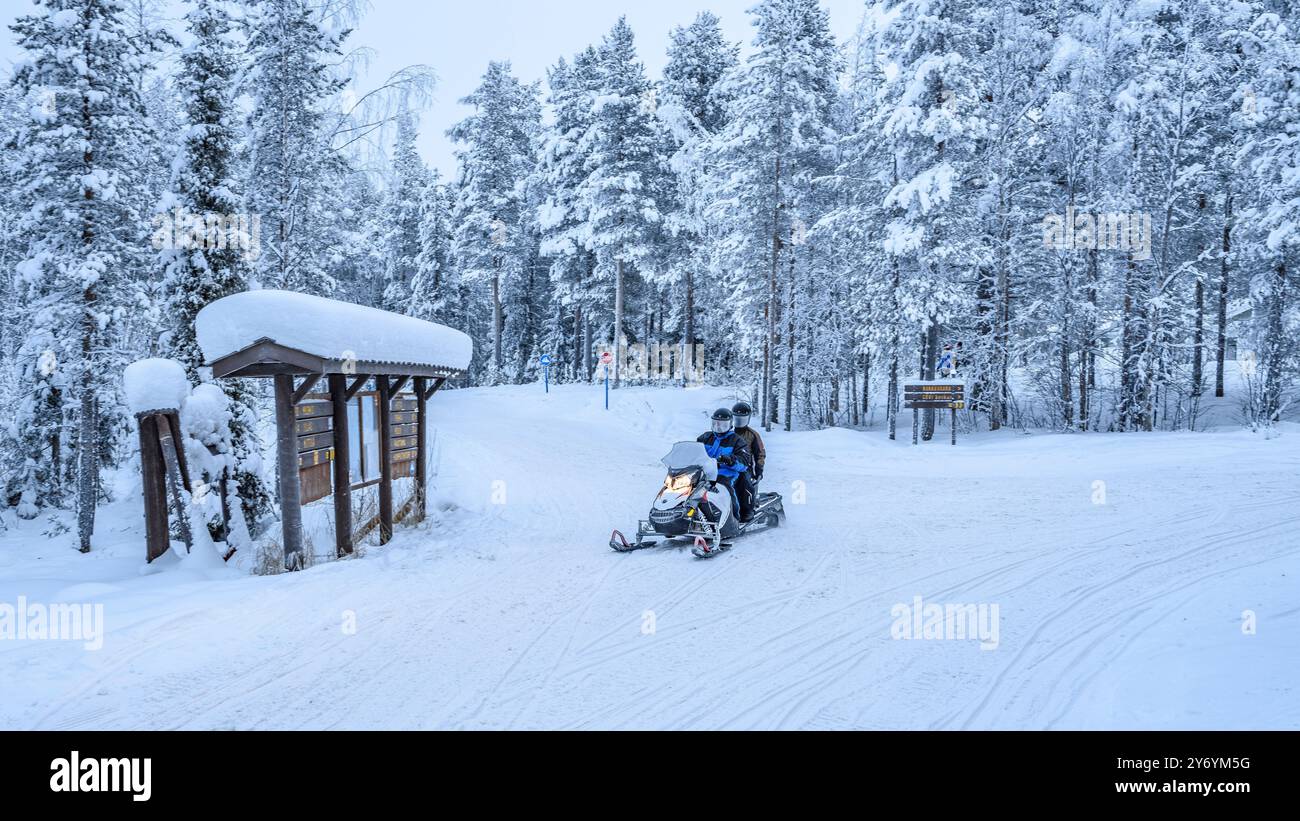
(305, 387)
(385, 460)
(176, 478)
(342, 467)
(916, 426)
(174, 417)
(155, 488)
(356, 386)
(437, 385)
(421, 445)
(225, 504)
(286, 452)
(954, 427)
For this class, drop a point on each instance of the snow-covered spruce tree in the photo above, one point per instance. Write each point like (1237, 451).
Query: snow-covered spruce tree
(492, 243)
(562, 219)
(931, 123)
(1160, 123)
(626, 180)
(1271, 159)
(353, 231)
(852, 230)
(691, 112)
(1233, 103)
(289, 82)
(1076, 114)
(75, 162)
(1009, 259)
(197, 273)
(766, 157)
(402, 204)
(430, 292)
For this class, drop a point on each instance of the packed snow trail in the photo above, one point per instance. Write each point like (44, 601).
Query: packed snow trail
(1120, 604)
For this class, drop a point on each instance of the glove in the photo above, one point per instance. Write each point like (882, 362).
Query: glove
(726, 460)
(758, 474)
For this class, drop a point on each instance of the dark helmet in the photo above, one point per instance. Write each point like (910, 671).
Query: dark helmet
(722, 420)
(742, 411)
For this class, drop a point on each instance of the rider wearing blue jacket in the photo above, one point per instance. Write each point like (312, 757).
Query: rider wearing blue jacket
(734, 458)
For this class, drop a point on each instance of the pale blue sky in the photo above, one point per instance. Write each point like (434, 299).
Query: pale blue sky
(457, 39)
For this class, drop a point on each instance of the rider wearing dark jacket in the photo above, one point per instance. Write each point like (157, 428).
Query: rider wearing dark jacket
(734, 458)
(742, 413)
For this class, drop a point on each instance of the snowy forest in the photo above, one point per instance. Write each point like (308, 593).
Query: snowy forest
(1094, 203)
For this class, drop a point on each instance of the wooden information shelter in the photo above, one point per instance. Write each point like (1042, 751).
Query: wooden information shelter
(313, 392)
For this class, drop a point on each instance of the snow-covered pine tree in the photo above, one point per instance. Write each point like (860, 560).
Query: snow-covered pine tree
(767, 156)
(213, 260)
(561, 218)
(402, 204)
(931, 123)
(492, 240)
(1271, 159)
(692, 111)
(352, 227)
(76, 164)
(431, 286)
(290, 79)
(626, 180)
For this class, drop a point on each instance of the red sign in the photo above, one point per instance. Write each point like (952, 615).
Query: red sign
(606, 358)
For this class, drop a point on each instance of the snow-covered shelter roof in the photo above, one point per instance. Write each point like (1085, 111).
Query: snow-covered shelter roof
(262, 333)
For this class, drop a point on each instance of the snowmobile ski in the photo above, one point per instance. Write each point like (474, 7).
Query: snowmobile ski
(702, 549)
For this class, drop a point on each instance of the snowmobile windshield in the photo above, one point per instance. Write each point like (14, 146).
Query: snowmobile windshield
(686, 455)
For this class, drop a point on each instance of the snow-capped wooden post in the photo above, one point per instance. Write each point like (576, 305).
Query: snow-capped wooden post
(155, 390)
(342, 466)
(385, 460)
(421, 444)
(286, 454)
(155, 488)
(283, 335)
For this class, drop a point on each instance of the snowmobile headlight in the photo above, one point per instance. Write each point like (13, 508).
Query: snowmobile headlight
(679, 484)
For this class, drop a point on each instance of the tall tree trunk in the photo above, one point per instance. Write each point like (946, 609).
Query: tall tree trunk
(789, 354)
(587, 344)
(1275, 348)
(688, 336)
(1088, 346)
(1067, 330)
(577, 343)
(496, 319)
(618, 323)
(895, 346)
(1225, 267)
(769, 348)
(1127, 356)
(932, 349)
(88, 430)
(866, 387)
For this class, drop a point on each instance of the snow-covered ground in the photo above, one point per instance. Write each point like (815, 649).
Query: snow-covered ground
(507, 610)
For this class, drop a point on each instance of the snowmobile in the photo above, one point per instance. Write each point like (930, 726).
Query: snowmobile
(694, 505)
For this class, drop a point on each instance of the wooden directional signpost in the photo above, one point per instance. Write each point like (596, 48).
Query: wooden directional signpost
(919, 396)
